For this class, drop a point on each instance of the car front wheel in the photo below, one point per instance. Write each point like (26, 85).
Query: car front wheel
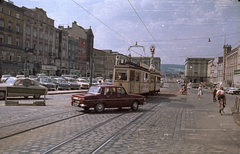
(134, 106)
(2, 95)
(99, 107)
(36, 96)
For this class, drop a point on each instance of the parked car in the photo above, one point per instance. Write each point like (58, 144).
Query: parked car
(25, 87)
(70, 75)
(84, 84)
(61, 84)
(73, 83)
(41, 75)
(107, 96)
(52, 77)
(108, 81)
(5, 77)
(46, 82)
(236, 92)
(20, 76)
(32, 77)
(230, 91)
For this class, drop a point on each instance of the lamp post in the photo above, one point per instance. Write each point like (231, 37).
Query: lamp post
(151, 67)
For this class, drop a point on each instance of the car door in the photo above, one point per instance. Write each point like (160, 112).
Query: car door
(123, 98)
(111, 97)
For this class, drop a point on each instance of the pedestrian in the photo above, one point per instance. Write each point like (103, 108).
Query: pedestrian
(214, 91)
(100, 83)
(103, 83)
(200, 93)
(221, 95)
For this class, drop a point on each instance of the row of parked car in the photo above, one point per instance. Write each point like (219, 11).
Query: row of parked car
(65, 82)
(232, 91)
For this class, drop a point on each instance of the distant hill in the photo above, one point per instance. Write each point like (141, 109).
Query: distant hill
(172, 68)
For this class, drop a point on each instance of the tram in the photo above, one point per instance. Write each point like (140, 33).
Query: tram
(136, 79)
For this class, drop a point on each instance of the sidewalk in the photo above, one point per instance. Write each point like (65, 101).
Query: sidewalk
(236, 115)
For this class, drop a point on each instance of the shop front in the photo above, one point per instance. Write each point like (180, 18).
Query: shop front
(49, 70)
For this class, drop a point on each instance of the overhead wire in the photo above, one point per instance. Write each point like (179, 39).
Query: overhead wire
(148, 30)
(103, 23)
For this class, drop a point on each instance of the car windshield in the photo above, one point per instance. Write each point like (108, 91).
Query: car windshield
(72, 80)
(94, 90)
(11, 80)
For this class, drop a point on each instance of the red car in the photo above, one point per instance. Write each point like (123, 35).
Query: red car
(107, 96)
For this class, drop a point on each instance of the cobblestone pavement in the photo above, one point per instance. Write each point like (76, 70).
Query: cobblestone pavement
(176, 124)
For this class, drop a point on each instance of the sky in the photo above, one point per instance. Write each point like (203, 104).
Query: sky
(178, 29)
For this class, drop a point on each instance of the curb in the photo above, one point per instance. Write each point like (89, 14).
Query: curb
(65, 92)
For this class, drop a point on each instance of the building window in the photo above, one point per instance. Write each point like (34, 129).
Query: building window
(11, 56)
(28, 30)
(17, 15)
(17, 42)
(19, 58)
(10, 25)
(41, 36)
(35, 32)
(1, 23)
(34, 46)
(40, 47)
(1, 9)
(10, 39)
(46, 48)
(46, 36)
(3, 57)
(27, 44)
(1, 38)
(17, 28)
(10, 12)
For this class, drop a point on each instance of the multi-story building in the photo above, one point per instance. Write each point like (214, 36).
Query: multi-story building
(220, 71)
(98, 63)
(196, 69)
(85, 46)
(63, 51)
(210, 71)
(73, 56)
(215, 68)
(231, 64)
(236, 75)
(109, 63)
(12, 54)
(38, 37)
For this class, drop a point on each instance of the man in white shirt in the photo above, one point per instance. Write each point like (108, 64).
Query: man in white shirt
(221, 95)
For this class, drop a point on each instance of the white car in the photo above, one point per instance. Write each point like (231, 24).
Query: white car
(84, 84)
(4, 78)
(231, 90)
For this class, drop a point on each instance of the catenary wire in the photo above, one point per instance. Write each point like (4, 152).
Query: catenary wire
(148, 30)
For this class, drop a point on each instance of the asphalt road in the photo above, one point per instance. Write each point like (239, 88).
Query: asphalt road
(168, 123)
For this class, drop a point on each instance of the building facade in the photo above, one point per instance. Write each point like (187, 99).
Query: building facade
(196, 69)
(12, 53)
(38, 36)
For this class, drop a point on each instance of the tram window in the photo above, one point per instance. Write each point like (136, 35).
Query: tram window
(132, 75)
(151, 79)
(137, 76)
(146, 77)
(121, 91)
(121, 76)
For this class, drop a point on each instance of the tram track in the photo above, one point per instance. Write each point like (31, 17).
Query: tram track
(17, 125)
(112, 136)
